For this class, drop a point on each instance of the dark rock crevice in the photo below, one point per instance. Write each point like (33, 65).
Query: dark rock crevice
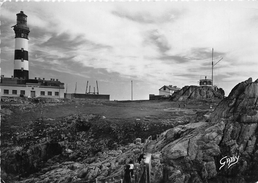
(27, 161)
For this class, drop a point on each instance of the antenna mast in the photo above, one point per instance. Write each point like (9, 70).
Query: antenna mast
(212, 67)
(212, 64)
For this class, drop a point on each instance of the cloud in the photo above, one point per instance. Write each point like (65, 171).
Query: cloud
(158, 39)
(175, 58)
(8, 33)
(146, 17)
(64, 42)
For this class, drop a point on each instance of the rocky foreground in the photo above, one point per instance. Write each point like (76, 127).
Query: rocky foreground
(222, 147)
(218, 146)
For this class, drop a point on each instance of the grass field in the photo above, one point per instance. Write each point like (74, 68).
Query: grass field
(16, 116)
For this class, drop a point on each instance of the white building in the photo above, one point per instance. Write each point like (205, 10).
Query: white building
(20, 84)
(168, 90)
(14, 87)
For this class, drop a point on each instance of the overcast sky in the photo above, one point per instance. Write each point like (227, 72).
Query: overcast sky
(151, 43)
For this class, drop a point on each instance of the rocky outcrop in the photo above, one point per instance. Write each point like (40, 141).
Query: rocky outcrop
(198, 93)
(188, 151)
(225, 149)
(240, 105)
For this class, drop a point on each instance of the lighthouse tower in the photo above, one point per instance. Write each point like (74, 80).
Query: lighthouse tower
(21, 54)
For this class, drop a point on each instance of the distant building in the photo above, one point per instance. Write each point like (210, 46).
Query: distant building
(164, 92)
(20, 84)
(168, 90)
(205, 82)
(87, 96)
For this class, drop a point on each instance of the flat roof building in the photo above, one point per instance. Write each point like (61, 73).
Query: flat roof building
(15, 87)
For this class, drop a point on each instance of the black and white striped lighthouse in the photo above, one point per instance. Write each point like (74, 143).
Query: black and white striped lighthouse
(21, 54)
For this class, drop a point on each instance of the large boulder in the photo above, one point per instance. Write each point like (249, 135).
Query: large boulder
(198, 93)
(240, 105)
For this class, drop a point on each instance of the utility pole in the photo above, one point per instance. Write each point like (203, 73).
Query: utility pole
(97, 87)
(86, 87)
(75, 87)
(131, 89)
(212, 67)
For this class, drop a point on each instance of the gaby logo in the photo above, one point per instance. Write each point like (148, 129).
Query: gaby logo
(230, 161)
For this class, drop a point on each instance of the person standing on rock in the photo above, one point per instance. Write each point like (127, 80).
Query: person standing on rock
(131, 169)
(127, 175)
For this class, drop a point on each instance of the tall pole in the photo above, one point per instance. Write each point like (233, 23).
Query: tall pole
(87, 87)
(75, 87)
(212, 67)
(97, 87)
(131, 89)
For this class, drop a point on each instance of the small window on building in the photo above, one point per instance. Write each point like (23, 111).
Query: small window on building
(42, 92)
(22, 92)
(164, 88)
(6, 91)
(49, 93)
(14, 92)
(56, 93)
